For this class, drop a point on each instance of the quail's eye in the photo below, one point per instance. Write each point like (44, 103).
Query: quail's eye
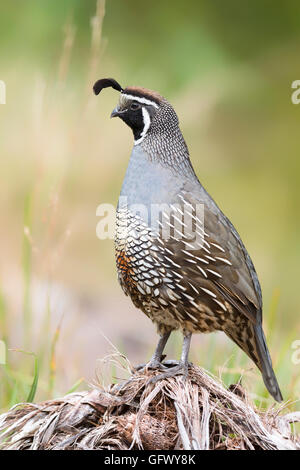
(134, 106)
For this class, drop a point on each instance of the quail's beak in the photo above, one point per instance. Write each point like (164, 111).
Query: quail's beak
(115, 112)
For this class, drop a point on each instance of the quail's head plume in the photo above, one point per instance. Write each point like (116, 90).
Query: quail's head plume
(199, 277)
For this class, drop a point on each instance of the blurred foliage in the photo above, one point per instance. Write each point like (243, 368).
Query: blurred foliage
(227, 67)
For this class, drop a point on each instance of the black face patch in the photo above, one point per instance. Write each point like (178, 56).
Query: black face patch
(134, 119)
(136, 114)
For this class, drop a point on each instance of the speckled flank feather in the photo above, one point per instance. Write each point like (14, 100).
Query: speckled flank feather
(203, 289)
(193, 285)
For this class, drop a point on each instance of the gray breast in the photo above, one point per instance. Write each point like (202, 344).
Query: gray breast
(146, 185)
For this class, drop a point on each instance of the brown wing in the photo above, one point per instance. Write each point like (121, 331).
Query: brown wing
(220, 273)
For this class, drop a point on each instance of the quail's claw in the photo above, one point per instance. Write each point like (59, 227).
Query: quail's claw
(152, 364)
(139, 367)
(179, 369)
(170, 363)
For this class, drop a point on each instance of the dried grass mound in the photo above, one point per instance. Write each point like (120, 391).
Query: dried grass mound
(196, 413)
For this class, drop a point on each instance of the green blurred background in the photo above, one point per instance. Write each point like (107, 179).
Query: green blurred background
(227, 67)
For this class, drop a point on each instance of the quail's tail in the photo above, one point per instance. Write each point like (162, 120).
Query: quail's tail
(257, 349)
(266, 364)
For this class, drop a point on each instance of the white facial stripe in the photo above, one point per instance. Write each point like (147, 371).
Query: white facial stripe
(147, 122)
(140, 100)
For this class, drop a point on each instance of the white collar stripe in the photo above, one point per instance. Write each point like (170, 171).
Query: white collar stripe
(147, 122)
(140, 100)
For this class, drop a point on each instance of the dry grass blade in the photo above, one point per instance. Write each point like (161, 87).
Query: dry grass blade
(196, 413)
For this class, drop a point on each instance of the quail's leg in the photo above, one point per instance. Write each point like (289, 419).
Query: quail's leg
(155, 361)
(182, 366)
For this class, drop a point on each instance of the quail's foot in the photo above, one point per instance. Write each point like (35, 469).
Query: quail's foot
(180, 368)
(154, 363)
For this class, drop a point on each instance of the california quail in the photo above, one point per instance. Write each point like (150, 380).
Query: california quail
(179, 280)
